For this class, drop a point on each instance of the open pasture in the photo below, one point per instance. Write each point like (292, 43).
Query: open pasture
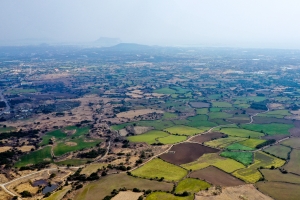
(136, 113)
(99, 189)
(243, 118)
(208, 137)
(127, 195)
(168, 116)
(279, 191)
(183, 130)
(241, 192)
(268, 120)
(186, 152)
(243, 157)
(278, 176)
(219, 115)
(172, 139)
(159, 168)
(223, 142)
(238, 146)
(275, 114)
(168, 196)
(79, 144)
(270, 129)
(165, 90)
(278, 151)
(157, 124)
(118, 127)
(191, 185)
(225, 164)
(149, 137)
(294, 162)
(7, 129)
(216, 176)
(57, 134)
(252, 143)
(251, 174)
(221, 104)
(91, 168)
(292, 142)
(199, 105)
(35, 157)
(239, 132)
(202, 111)
(215, 109)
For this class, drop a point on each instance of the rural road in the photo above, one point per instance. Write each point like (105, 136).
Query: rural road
(5, 101)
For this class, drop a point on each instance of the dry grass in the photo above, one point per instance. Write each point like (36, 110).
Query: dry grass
(71, 144)
(127, 195)
(135, 113)
(4, 195)
(141, 129)
(27, 186)
(3, 178)
(3, 149)
(25, 148)
(244, 192)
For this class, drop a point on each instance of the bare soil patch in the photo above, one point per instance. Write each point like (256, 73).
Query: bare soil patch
(244, 192)
(275, 137)
(275, 106)
(295, 112)
(123, 132)
(296, 130)
(3, 178)
(186, 152)
(3, 149)
(71, 144)
(207, 137)
(199, 104)
(26, 148)
(135, 113)
(127, 195)
(141, 129)
(216, 177)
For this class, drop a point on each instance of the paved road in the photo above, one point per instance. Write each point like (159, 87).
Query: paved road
(5, 101)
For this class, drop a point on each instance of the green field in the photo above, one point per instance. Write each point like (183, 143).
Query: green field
(275, 113)
(73, 162)
(99, 189)
(279, 190)
(172, 139)
(225, 164)
(251, 174)
(21, 91)
(214, 96)
(149, 137)
(35, 157)
(238, 132)
(91, 168)
(168, 115)
(294, 163)
(215, 109)
(242, 157)
(255, 99)
(191, 185)
(7, 129)
(219, 115)
(276, 175)
(270, 129)
(57, 134)
(157, 124)
(120, 126)
(292, 142)
(165, 90)
(279, 151)
(221, 104)
(167, 196)
(62, 148)
(159, 168)
(252, 143)
(238, 146)
(183, 130)
(198, 118)
(202, 111)
(81, 131)
(223, 142)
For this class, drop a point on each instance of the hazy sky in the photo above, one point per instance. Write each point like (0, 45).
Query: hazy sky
(237, 23)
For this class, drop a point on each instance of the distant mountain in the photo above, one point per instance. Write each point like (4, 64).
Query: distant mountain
(107, 42)
(130, 47)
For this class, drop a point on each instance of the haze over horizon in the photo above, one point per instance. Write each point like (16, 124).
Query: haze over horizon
(231, 23)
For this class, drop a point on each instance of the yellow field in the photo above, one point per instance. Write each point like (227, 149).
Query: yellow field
(225, 164)
(251, 174)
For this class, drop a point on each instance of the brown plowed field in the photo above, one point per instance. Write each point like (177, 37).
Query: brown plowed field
(275, 137)
(186, 152)
(296, 130)
(199, 104)
(207, 137)
(216, 177)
